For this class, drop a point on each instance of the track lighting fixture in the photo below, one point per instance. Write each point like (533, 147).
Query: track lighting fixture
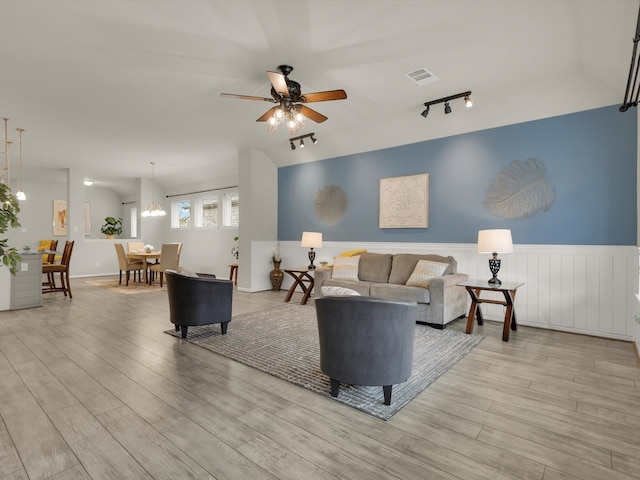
(447, 108)
(314, 140)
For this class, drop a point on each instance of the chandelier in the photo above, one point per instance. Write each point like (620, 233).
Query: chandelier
(289, 115)
(5, 173)
(153, 210)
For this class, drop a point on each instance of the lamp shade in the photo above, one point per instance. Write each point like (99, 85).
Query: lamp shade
(311, 240)
(495, 241)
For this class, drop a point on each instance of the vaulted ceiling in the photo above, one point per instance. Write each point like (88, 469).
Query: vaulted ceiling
(109, 86)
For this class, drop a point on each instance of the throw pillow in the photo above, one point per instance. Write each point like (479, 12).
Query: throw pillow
(346, 268)
(423, 273)
(352, 253)
(338, 291)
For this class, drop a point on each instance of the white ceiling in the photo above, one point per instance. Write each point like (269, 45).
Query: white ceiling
(109, 86)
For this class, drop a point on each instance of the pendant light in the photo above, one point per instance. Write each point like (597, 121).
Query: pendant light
(153, 210)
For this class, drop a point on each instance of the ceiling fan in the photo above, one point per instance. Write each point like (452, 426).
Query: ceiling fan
(287, 95)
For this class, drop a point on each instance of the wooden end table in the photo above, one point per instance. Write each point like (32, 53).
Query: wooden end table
(302, 278)
(508, 289)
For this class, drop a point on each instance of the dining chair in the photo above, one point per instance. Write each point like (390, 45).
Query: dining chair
(169, 260)
(135, 246)
(63, 269)
(50, 259)
(127, 265)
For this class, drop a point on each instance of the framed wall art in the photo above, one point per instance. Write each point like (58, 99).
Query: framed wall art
(404, 202)
(59, 218)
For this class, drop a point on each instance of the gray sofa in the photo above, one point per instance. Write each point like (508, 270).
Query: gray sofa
(383, 275)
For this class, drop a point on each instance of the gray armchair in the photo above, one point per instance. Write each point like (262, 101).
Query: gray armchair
(198, 299)
(366, 341)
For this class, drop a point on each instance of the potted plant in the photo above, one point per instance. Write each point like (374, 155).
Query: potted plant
(9, 209)
(112, 227)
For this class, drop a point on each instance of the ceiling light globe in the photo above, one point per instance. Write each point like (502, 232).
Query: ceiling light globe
(279, 113)
(20, 195)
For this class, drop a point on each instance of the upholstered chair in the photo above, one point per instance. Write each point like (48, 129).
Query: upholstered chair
(127, 266)
(135, 246)
(198, 299)
(366, 341)
(169, 260)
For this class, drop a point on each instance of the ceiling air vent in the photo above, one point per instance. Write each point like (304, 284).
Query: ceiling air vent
(421, 76)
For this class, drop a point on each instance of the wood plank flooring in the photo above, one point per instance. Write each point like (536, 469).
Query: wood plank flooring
(91, 388)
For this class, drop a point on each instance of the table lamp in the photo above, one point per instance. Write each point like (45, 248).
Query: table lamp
(494, 242)
(311, 240)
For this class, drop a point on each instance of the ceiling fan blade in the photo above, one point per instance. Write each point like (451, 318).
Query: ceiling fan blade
(324, 96)
(279, 83)
(312, 114)
(247, 97)
(267, 115)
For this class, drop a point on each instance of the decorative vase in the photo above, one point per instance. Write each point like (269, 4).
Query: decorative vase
(276, 277)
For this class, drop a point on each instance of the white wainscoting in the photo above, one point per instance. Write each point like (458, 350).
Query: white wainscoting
(575, 288)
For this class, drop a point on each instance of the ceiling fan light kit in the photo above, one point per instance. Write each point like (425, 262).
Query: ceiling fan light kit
(447, 108)
(289, 98)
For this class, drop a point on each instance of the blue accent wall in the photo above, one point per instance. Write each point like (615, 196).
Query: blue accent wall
(590, 160)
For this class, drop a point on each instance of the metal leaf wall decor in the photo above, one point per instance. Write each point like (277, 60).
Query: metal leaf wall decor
(520, 190)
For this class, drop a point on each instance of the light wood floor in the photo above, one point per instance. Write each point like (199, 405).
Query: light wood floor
(92, 388)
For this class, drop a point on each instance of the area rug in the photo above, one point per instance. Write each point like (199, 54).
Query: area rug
(283, 342)
(131, 289)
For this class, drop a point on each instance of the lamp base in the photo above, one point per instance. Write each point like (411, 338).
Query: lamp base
(312, 257)
(494, 266)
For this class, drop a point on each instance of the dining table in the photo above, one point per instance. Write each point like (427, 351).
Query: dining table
(145, 257)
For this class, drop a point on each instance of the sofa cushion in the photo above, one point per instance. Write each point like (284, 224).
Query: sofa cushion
(361, 287)
(405, 263)
(423, 273)
(375, 267)
(338, 291)
(346, 268)
(400, 292)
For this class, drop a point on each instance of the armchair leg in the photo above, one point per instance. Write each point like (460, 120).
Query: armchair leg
(223, 327)
(387, 394)
(335, 387)
(120, 282)
(183, 331)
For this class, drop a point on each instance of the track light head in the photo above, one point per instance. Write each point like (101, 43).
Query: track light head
(301, 143)
(447, 108)
(425, 112)
(468, 102)
(293, 147)
(314, 139)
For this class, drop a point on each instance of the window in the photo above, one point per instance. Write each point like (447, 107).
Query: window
(181, 214)
(208, 210)
(231, 210)
(134, 222)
